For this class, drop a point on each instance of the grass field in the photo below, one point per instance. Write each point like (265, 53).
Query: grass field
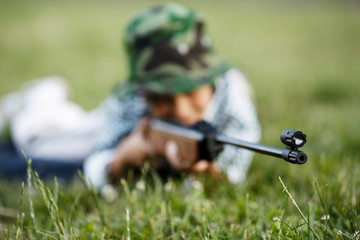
(303, 60)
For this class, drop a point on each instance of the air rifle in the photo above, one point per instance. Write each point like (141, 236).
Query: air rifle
(201, 141)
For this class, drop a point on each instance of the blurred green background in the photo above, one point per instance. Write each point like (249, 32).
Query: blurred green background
(302, 58)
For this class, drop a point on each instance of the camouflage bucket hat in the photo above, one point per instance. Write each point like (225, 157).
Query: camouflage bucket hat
(169, 52)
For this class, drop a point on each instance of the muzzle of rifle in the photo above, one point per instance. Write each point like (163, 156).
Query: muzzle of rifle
(296, 157)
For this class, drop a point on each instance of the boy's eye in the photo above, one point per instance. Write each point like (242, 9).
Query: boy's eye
(167, 99)
(156, 99)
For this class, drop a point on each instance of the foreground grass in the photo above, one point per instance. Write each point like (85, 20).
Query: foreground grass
(302, 60)
(293, 207)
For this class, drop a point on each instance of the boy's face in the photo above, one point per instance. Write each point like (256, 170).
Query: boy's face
(184, 108)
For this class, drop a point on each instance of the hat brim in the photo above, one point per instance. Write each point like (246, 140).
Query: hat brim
(180, 83)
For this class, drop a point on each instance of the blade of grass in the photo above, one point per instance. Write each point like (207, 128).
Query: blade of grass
(128, 224)
(20, 204)
(73, 206)
(308, 218)
(280, 235)
(325, 207)
(95, 198)
(56, 190)
(48, 200)
(21, 215)
(318, 192)
(169, 213)
(343, 234)
(283, 216)
(297, 207)
(32, 212)
(326, 210)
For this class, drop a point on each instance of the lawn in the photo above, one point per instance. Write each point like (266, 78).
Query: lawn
(302, 59)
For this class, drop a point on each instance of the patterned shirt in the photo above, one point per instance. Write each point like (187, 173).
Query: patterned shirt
(230, 110)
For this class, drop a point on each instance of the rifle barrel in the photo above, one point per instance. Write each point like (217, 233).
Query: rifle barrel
(289, 137)
(273, 151)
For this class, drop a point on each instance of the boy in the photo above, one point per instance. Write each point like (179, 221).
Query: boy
(174, 75)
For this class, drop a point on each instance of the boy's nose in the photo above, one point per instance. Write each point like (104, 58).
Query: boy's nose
(183, 110)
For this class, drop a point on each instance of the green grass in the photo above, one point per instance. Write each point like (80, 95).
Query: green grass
(303, 62)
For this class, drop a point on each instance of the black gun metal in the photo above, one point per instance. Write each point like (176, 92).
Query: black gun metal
(211, 143)
(292, 155)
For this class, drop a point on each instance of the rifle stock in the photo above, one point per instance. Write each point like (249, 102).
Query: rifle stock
(187, 139)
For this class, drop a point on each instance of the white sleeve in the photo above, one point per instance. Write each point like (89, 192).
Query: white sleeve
(95, 168)
(233, 113)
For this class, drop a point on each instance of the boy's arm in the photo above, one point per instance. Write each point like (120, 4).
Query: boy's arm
(233, 113)
(120, 117)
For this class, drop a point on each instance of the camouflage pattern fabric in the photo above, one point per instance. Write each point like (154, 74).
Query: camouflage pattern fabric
(169, 52)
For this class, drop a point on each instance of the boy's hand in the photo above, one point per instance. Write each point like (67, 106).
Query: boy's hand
(173, 155)
(132, 151)
(136, 148)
